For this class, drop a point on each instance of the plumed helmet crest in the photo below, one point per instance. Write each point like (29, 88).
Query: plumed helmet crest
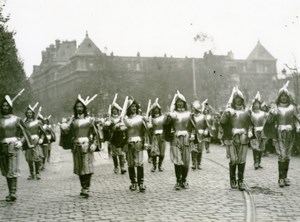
(86, 101)
(238, 93)
(257, 97)
(115, 104)
(11, 101)
(32, 108)
(155, 104)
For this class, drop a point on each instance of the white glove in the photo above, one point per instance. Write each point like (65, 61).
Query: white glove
(107, 123)
(172, 115)
(93, 147)
(18, 144)
(192, 137)
(250, 134)
(64, 126)
(147, 146)
(274, 111)
(41, 141)
(149, 125)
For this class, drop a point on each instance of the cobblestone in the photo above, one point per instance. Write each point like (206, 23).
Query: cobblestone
(56, 196)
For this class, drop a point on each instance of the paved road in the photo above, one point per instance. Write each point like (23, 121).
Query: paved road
(56, 196)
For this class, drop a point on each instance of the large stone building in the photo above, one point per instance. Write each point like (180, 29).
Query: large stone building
(67, 70)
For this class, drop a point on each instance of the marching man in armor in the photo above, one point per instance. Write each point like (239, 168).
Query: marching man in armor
(209, 121)
(258, 142)
(236, 122)
(49, 138)
(136, 130)
(201, 133)
(158, 143)
(283, 116)
(84, 139)
(34, 156)
(180, 150)
(115, 137)
(13, 135)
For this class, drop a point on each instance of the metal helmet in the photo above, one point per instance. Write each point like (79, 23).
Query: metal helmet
(238, 93)
(257, 98)
(197, 105)
(176, 97)
(285, 90)
(155, 105)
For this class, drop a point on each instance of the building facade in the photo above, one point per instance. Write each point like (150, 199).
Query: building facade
(67, 70)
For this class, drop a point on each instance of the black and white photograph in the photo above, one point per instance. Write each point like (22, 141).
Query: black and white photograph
(150, 110)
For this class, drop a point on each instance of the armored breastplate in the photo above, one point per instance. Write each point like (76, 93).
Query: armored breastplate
(33, 127)
(240, 119)
(285, 115)
(157, 122)
(9, 127)
(200, 121)
(82, 127)
(258, 118)
(134, 126)
(182, 120)
(116, 119)
(209, 119)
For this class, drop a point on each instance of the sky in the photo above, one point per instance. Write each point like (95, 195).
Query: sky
(158, 27)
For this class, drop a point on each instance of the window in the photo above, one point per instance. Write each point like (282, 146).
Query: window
(138, 67)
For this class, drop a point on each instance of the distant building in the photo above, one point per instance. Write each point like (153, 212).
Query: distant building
(67, 70)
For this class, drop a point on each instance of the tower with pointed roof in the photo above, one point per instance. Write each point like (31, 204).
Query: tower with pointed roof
(258, 70)
(67, 70)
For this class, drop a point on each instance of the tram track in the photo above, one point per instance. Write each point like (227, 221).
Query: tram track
(250, 215)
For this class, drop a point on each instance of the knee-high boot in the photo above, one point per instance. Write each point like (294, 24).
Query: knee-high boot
(42, 166)
(37, 169)
(85, 179)
(122, 164)
(255, 158)
(88, 178)
(13, 194)
(241, 169)
(160, 161)
(185, 171)
(259, 159)
(154, 158)
(194, 159)
(82, 184)
(232, 175)
(31, 170)
(49, 155)
(140, 177)
(8, 180)
(286, 169)
(115, 160)
(131, 172)
(207, 147)
(281, 173)
(132, 176)
(149, 155)
(178, 174)
(199, 158)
